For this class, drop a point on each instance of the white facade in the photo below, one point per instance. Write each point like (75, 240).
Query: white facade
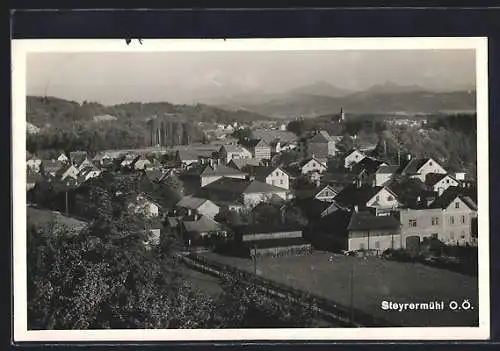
(313, 166)
(234, 154)
(253, 199)
(71, 172)
(279, 178)
(142, 163)
(384, 199)
(430, 166)
(209, 209)
(327, 194)
(375, 241)
(444, 184)
(353, 158)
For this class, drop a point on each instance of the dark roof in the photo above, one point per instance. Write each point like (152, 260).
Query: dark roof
(352, 195)
(311, 207)
(261, 172)
(367, 164)
(218, 170)
(265, 244)
(252, 143)
(449, 195)
(307, 160)
(203, 224)
(52, 165)
(241, 186)
(339, 178)
(367, 221)
(312, 192)
(259, 187)
(265, 228)
(154, 175)
(240, 163)
(412, 166)
(321, 137)
(433, 178)
(388, 169)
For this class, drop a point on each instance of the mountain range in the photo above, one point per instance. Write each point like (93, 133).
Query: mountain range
(324, 98)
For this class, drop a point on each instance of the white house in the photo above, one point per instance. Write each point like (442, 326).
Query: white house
(312, 165)
(198, 205)
(271, 175)
(420, 167)
(34, 164)
(384, 173)
(85, 163)
(378, 197)
(233, 152)
(439, 182)
(213, 172)
(353, 157)
(141, 163)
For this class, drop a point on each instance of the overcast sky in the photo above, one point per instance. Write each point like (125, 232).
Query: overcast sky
(184, 77)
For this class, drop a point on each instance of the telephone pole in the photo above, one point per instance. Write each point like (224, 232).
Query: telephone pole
(351, 298)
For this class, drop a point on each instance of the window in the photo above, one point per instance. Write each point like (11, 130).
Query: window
(390, 198)
(430, 163)
(463, 219)
(435, 220)
(434, 235)
(377, 244)
(281, 181)
(462, 236)
(457, 204)
(277, 174)
(272, 182)
(452, 235)
(447, 181)
(452, 220)
(412, 223)
(361, 246)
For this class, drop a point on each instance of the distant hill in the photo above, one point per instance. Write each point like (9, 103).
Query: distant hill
(385, 98)
(42, 111)
(320, 88)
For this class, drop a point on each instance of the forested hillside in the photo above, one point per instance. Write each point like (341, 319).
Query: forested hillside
(68, 125)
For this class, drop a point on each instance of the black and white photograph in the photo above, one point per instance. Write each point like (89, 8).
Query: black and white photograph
(250, 189)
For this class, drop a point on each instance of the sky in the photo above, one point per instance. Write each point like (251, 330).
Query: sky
(187, 77)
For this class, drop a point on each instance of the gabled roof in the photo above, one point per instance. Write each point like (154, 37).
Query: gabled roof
(449, 195)
(432, 179)
(239, 163)
(368, 164)
(414, 165)
(354, 196)
(191, 202)
(383, 169)
(249, 229)
(186, 155)
(219, 170)
(307, 160)
(202, 225)
(253, 143)
(261, 172)
(234, 148)
(367, 221)
(52, 165)
(321, 137)
(312, 192)
(242, 186)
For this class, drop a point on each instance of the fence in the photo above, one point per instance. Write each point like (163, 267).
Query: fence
(328, 309)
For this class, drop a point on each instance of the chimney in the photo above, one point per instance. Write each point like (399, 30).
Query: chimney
(356, 208)
(419, 199)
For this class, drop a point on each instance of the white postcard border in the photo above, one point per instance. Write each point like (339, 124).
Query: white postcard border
(20, 49)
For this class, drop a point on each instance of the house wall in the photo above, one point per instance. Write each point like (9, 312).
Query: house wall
(430, 167)
(457, 224)
(34, 165)
(384, 199)
(444, 184)
(353, 158)
(278, 178)
(141, 164)
(326, 195)
(425, 225)
(209, 209)
(313, 166)
(262, 152)
(375, 240)
(71, 172)
(332, 150)
(274, 235)
(283, 250)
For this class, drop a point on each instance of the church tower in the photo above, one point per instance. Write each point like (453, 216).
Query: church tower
(342, 115)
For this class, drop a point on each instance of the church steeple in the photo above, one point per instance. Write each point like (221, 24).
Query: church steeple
(342, 114)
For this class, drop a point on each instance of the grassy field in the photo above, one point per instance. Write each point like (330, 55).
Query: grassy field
(375, 280)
